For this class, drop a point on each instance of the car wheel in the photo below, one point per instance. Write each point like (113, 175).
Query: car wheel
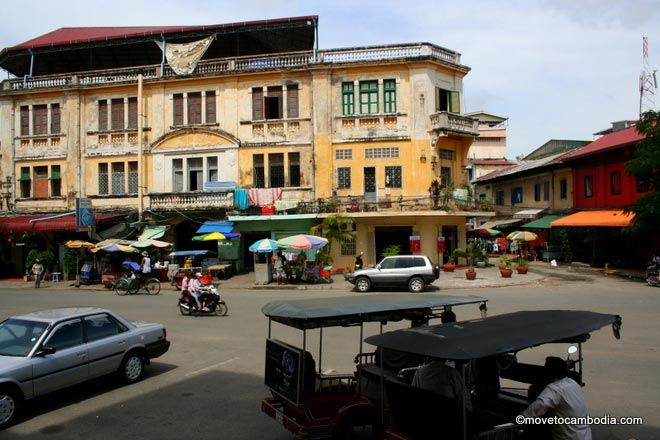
(10, 405)
(416, 285)
(363, 284)
(132, 367)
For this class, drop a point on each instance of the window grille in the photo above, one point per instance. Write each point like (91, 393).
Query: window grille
(381, 153)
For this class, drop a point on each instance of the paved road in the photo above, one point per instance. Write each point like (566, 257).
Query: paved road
(209, 385)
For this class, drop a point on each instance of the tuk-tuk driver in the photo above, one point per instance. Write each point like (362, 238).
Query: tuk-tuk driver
(436, 376)
(563, 397)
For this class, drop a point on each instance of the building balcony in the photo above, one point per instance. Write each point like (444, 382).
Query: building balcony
(192, 201)
(446, 122)
(214, 67)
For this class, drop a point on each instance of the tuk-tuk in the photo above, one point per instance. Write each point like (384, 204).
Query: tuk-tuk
(315, 404)
(484, 351)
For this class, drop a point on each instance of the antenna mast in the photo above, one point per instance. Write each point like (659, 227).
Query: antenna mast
(647, 81)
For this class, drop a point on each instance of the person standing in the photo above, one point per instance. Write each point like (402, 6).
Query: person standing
(358, 261)
(145, 265)
(37, 271)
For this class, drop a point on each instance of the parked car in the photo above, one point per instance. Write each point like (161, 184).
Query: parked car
(413, 271)
(49, 350)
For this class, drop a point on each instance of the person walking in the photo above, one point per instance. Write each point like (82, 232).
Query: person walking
(145, 264)
(37, 271)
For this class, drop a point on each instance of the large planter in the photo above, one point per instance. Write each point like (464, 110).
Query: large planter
(522, 269)
(506, 272)
(470, 274)
(448, 267)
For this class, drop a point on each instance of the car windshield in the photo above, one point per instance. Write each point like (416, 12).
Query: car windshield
(18, 336)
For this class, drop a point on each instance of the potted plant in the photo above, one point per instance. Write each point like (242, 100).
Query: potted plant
(470, 273)
(505, 267)
(470, 253)
(449, 266)
(522, 267)
(434, 192)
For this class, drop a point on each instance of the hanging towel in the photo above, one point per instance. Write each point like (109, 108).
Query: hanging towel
(241, 199)
(264, 196)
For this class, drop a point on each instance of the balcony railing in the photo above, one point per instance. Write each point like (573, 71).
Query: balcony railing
(445, 121)
(191, 201)
(242, 64)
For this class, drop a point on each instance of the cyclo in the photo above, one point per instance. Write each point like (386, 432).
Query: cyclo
(484, 351)
(313, 403)
(133, 280)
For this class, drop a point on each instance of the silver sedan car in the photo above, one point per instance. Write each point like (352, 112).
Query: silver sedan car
(46, 351)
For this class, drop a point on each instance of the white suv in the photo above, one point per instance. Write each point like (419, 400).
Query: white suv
(413, 271)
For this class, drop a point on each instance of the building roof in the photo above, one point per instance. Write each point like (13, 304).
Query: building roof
(606, 218)
(523, 166)
(492, 162)
(487, 116)
(610, 141)
(78, 49)
(555, 146)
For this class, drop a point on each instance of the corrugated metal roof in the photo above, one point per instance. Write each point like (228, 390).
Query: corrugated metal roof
(520, 167)
(611, 141)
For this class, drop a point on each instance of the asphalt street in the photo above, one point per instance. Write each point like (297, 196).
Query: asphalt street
(210, 384)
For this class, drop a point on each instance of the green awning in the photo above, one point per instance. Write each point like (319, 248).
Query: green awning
(543, 222)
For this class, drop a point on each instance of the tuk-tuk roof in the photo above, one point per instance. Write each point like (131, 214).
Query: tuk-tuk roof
(495, 335)
(344, 311)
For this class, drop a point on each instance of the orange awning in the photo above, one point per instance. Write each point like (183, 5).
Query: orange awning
(613, 218)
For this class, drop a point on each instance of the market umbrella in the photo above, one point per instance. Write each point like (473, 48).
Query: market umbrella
(116, 247)
(210, 237)
(485, 232)
(303, 241)
(151, 242)
(264, 245)
(522, 236)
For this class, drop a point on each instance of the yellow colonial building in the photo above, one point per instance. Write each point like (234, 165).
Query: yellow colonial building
(242, 122)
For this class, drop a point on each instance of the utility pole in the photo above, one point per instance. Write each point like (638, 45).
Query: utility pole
(140, 124)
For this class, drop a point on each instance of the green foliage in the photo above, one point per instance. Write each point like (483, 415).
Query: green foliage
(471, 253)
(506, 261)
(645, 165)
(391, 250)
(47, 258)
(70, 261)
(334, 228)
(29, 260)
(521, 262)
(565, 244)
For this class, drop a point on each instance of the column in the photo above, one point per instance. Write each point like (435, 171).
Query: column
(30, 120)
(125, 112)
(48, 118)
(204, 108)
(266, 170)
(287, 182)
(185, 109)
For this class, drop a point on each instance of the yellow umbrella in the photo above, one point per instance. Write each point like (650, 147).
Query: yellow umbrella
(522, 236)
(78, 244)
(210, 237)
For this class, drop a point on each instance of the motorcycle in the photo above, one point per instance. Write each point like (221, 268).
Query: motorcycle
(652, 277)
(210, 299)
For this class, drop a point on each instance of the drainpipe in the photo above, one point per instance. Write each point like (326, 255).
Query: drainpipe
(25, 77)
(140, 168)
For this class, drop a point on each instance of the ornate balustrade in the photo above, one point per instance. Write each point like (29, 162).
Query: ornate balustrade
(191, 201)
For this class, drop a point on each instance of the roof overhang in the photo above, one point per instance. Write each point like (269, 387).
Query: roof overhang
(609, 218)
(82, 49)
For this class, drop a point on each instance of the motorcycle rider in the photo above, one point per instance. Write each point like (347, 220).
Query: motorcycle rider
(188, 285)
(195, 288)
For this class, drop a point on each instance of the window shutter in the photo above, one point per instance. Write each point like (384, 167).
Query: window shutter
(177, 105)
(25, 120)
(194, 108)
(132, 113)
(257, 104)
(40, 119)
(210, 107)
(55, 124)
(455, 102)
(117, 114)
(292, 100)
(103, 115)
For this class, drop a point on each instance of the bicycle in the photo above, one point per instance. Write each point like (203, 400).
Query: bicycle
(131, 284)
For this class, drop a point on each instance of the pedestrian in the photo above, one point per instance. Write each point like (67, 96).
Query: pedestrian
(37, 271)
(358, 261)
(145, 265)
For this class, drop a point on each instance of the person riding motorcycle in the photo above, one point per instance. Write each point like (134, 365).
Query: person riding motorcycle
(191, 285)
(652, 271)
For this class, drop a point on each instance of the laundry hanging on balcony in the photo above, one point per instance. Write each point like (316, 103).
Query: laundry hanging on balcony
(183, 58)
(264, 196)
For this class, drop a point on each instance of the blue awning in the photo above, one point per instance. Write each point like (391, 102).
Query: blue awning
(222, 227)
(194, 253)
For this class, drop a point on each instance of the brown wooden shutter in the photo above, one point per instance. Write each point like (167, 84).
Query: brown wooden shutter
(257, 103)
(25, 120)
(55, 115)
(177, 105)
(292, 101)
(103, 115)
(194, 108)
(41, 182)
(210, 107)
(40, 119)
(117, 114)
(132, 113)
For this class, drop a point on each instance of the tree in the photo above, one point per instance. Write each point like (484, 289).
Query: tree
(645, 165)
(334, 228)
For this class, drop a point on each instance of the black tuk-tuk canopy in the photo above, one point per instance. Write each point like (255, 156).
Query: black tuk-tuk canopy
(496, 334)
(344, 311)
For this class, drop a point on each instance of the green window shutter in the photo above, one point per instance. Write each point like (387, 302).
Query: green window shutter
(455, 103)
(347, 98)
(389, 88)
(25, 173)
(55, 172)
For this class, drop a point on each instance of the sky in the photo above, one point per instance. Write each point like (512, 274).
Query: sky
(558, 69)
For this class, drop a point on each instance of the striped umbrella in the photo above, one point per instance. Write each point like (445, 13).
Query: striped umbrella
(78, 244)
(522, 236)
(210, 237)
(264, 245)
(303, 241)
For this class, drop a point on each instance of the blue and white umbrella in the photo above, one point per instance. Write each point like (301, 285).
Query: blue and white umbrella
(264, 245)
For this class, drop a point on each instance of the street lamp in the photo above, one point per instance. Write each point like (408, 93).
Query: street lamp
(6, 187)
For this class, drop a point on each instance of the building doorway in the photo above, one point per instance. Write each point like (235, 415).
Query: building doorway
(370, 184)
(392, 235)
(451, 240)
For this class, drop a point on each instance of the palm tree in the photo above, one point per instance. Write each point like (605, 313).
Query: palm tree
(334, 228)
